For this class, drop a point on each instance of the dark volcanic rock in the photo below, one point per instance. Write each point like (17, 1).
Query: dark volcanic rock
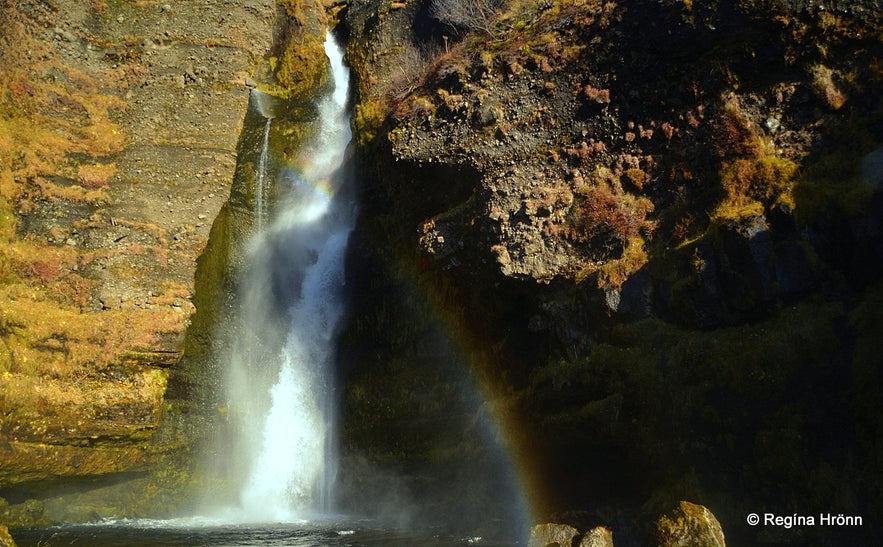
(650, 225)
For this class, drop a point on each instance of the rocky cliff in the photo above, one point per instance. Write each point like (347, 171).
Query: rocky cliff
(118, 142)
(649, 229)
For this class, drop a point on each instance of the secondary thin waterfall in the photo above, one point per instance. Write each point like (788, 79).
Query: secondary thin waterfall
(280, 384)
(261, 178)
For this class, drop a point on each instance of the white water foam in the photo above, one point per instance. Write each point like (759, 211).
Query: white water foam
(280, 382)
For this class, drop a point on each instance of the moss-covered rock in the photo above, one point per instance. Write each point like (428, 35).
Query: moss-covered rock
(542, 535)
(690, 524)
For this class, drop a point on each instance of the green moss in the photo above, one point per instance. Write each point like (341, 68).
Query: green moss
(301, 70)
(753, 177)
(298, 65)
(294, 9)
(213, 281)
(614, 273)
(367, 119)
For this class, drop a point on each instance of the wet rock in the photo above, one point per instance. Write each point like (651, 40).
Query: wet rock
(545, 535)
(689, 525)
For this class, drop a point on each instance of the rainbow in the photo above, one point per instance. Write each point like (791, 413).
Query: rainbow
(503, 428)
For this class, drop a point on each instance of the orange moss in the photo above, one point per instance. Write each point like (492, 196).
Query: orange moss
(96, 175)
(824, 86)
(734, 134)
(608, 219)
(93, 340)
(37, 136)
(77, 194)
(54, 355)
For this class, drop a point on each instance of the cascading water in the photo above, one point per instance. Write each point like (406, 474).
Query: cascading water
(261, 178)
(280, 386)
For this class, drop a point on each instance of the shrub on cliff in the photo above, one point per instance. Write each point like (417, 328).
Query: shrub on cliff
(463, 16)
(606, 220)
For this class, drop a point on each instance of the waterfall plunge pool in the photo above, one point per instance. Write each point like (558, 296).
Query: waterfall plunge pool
(191, 531)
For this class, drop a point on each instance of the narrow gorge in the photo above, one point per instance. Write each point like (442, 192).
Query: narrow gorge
(521, 272)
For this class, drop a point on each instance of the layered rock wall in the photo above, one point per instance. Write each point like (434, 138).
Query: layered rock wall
(120, 123)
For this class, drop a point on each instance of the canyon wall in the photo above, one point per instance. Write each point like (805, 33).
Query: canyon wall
(122, 123)
(648, 230)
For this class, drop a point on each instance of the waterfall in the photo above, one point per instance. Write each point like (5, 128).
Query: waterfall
(280, 382)
(261, 178)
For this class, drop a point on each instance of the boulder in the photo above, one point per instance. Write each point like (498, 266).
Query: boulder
(636, 296)
(544, 535)
(745, 262)
(689, 525)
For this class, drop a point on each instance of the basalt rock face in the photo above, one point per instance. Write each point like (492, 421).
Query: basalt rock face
(118, 143)
(650, 230)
